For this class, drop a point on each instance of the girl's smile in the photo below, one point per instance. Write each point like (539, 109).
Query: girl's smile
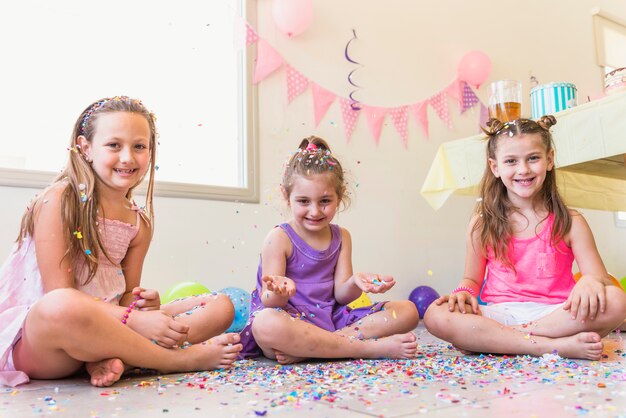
(521, 163)
(313, 202)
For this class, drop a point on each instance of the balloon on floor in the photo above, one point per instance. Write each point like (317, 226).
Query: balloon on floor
(241, 301)
(422, 297)
(361, 302)
(183, 290)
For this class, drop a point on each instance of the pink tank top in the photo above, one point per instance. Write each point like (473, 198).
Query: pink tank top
(543, 272)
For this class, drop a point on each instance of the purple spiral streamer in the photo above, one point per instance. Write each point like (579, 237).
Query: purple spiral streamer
(355, 105)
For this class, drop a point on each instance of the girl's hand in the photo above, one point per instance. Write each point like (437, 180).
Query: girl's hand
(586, 298)
(373, 283)
(460, 300)
(280, 285)
(159, 328)
(149, 299)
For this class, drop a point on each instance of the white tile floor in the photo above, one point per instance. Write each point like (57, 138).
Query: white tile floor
(439, 382)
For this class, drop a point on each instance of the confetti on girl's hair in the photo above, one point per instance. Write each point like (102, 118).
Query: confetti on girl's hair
(88, 252)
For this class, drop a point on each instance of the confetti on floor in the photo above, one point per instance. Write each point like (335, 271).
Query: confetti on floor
(438, 379)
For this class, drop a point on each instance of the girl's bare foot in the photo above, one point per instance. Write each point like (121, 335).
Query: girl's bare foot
(464, 352)
(105, 372)
(219, 352)
(283, 358)
(398, 346)
(584, 345)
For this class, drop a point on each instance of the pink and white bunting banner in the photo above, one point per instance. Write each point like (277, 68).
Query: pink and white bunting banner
(440, 105)
(251, 35)
(268, 60)
(322, 99)
(350, 116)
(296, 83)
(400, 118)
(420, 110)
(375, 117)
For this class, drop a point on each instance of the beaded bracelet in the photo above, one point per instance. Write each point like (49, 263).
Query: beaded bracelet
(465, 289)
(130, 308)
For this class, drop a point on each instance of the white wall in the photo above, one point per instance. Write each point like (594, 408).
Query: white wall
(409, 50)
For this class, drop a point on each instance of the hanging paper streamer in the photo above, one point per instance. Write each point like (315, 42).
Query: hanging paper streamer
(354, 104)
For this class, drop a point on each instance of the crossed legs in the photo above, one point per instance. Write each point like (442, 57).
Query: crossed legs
(384, 334)
(556, 331)
(67, 329)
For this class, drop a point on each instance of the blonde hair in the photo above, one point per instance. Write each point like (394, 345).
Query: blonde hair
(494, 205)
(79, 199)
(315, 157)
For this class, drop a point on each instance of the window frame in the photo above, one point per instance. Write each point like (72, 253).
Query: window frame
(249, 156)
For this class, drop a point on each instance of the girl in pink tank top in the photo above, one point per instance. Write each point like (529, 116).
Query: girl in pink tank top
(70, 295)
(521, 245)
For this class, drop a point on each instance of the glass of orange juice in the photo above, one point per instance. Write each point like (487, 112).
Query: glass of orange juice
(505, 100)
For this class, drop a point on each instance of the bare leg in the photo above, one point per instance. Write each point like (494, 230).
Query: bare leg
(476, 333)
(276, 331)
(560, 323)
(207, 315)
(67, 328)
(398, 317)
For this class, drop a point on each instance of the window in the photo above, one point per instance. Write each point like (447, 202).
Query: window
(186, 61)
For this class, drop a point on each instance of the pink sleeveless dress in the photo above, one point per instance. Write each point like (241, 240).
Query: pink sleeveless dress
(21, 287)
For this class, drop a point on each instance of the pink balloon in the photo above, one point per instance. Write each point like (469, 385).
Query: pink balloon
(474, 68)
(292, 16)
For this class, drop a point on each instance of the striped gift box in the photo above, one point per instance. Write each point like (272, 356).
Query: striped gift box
(551, 98)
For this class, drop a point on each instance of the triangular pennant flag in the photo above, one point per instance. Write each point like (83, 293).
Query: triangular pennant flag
(375, 118)
(267, 61)
(322, 99)
(400, 119)
(420, 110)
(251, 35)
(440, 104)
(454, 90)
(469, 98)
(296, 83)
(350, 116)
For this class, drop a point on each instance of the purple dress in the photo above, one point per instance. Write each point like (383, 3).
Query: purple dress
(313, 272)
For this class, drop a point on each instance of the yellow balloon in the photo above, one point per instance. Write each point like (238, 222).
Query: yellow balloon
(361, 302)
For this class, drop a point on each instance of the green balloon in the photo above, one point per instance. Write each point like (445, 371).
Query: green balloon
(182, 290)
(622, 283)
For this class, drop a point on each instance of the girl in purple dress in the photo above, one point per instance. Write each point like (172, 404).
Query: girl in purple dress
(305, 278)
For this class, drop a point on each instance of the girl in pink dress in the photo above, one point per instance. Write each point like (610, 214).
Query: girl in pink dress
(305, 278)
(70, 294)
(520, 248)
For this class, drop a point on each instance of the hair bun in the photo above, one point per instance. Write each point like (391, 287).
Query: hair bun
(317, 141)
(546, 122)
(493, 126)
